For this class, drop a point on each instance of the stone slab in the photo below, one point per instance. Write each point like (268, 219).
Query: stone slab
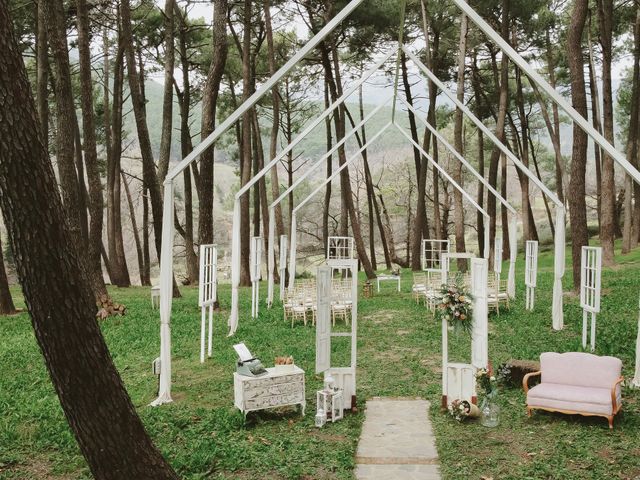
(397, 441)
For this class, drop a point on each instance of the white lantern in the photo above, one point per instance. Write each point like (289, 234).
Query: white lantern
(321, 418)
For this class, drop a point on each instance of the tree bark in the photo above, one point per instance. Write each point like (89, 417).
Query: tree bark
(92, 395)
(167, 98)
(246, 157)
(96, 202)
(209, 105)
(503, 104)
(113, 137)
(632, 218)
(42, 75)
(275, 126)
(608, 199)
(577, 199)
(137, 99)
(134, 227)
(458, 206)
(66, 119)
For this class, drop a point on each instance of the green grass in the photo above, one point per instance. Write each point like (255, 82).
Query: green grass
(203, 436)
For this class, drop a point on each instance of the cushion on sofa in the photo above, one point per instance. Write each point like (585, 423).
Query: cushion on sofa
(570, 397)
(580, 369)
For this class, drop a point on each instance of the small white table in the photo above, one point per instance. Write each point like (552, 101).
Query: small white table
(388, 278)
(276, 388)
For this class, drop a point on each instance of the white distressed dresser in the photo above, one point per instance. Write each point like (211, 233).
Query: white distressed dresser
(276, 388)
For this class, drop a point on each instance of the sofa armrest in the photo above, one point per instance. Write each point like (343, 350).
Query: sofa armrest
(614, 396)
(525, 380)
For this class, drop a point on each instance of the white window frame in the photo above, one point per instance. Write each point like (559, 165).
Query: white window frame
(433, 262)
(590, 286)
(207, 295)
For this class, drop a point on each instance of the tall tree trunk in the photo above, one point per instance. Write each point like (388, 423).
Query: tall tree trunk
(96, 202)
(596, 118)
(421, 165)
(475, 80)
(113, 131)
(432, 58)
(6, 302)
(458, 206)
(137, 99)
(503, 104)
(327, 191)
(167, 98)
(544, 197)
(608, 207)
(335, 88)
(209, 106)
(528, 225)
(66, 119)
(554, 131)
(368, 185)
(275, 126)
(42, 75)
(91, 393)
(631, 217)
(186, 146)
(577, 199)
(246, 157)
(506, 246)
(134, 228)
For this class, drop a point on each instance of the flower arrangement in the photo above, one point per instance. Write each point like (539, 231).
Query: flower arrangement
(455, 306)
(486, 382)
(460, 410)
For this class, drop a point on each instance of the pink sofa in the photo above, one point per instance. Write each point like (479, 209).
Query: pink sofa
(576, 383)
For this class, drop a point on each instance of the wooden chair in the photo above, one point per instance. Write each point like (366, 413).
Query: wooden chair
(419, 287)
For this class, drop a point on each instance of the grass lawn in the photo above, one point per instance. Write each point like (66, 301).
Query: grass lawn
(203, 436)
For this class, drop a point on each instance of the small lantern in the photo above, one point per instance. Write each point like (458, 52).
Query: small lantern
(321, 418)
(367, 289)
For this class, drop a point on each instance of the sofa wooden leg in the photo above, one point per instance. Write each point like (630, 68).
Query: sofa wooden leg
(610, 418)
(528, 412)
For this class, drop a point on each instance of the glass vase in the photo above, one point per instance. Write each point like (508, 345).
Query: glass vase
(490, 412)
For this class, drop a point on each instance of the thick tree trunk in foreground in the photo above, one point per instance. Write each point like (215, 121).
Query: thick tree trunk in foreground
(6, 302)
(577, 201)
(92, 395)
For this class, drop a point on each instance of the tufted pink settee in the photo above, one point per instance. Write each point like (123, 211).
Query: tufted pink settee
(576, 383)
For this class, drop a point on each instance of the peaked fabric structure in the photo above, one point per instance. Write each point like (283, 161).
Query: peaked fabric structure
(166, 258)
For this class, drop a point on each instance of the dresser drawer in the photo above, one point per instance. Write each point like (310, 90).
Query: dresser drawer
(251, 390)
(270, 401)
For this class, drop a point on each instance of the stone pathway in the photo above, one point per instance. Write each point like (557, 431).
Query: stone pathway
(397, 442)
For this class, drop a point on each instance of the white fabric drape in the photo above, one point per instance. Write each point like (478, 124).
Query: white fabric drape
(513, 250)
(480, 331)
(271, 258)
(284, 245)
(166, 297)
(235, 268)
(557, 311)
(292, 251)
(636, 377)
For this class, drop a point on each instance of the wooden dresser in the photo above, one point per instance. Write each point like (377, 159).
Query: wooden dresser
(276, 388)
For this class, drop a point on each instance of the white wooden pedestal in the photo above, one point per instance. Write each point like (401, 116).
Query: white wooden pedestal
(274, 389)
